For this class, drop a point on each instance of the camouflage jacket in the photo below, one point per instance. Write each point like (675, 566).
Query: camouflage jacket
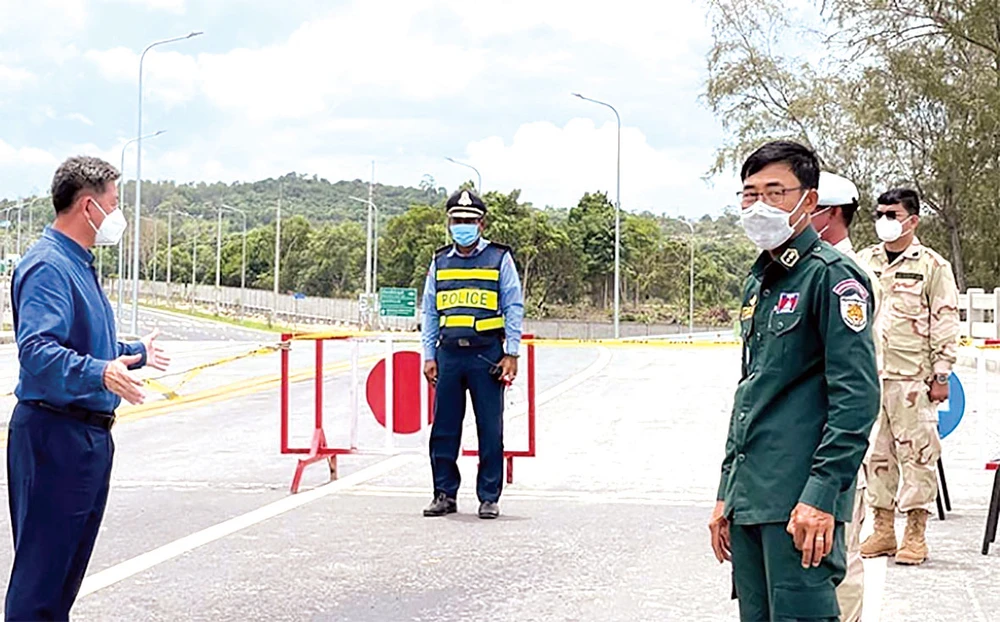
(917, 327)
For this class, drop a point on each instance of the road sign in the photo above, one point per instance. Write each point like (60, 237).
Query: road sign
(397, 302)
(951, 410)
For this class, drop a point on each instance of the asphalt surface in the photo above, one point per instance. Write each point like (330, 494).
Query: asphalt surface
(178, 327)
(606, 523)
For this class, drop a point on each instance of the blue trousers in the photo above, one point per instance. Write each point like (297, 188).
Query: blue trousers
(461, 369)
(58, 475)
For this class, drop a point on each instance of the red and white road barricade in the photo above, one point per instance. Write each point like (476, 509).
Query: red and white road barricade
(396, 397)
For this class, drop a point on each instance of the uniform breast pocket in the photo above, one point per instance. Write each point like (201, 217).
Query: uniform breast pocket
(783, 332)
(908, 297)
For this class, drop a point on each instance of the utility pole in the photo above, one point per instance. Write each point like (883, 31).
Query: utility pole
(277, 257)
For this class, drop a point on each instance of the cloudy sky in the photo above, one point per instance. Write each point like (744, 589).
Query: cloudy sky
(326, 86)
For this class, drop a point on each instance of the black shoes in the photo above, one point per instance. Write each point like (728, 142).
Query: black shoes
(488, 509)
(440, 506)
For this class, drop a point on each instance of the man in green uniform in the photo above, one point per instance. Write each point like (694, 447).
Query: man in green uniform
(805, 404)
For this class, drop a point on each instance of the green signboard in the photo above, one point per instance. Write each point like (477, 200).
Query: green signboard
(397, 302)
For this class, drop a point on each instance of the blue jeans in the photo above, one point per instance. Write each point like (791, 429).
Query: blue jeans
(58, 476)
(461, 369)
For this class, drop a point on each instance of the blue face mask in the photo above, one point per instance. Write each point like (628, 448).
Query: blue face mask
(465, 234)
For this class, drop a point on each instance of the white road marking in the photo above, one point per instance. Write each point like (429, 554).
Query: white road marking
(602, 497)
(141, 563)
(875, 570)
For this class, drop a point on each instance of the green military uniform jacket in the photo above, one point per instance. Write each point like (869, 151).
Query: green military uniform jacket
(809, 392)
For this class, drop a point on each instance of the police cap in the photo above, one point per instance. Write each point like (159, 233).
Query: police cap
(465, 204)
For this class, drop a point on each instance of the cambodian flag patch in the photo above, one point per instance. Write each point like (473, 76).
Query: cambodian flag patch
(787, 302)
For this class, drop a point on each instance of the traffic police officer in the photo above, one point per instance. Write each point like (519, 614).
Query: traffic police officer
(73, 375)
(804, 406)
(473, 307)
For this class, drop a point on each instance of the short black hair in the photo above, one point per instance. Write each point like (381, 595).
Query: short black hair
(848, 211)
(908, 198)
(801, 159)
(80, 173)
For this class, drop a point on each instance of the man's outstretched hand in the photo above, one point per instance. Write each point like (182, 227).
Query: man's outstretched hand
(155, 356)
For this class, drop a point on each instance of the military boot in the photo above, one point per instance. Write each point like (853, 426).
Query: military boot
(914, 549)
(883, 539)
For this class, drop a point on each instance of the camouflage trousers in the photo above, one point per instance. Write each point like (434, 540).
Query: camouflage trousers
(850, 592)
(904, 442)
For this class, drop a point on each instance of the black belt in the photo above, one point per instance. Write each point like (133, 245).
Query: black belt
(90, 417)
(478, 341)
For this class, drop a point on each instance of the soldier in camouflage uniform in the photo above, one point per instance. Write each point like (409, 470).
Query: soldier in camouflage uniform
(918, 330)
(835, 211)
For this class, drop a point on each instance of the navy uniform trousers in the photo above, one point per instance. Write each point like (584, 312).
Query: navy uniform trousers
(58, 476)
(461, 369)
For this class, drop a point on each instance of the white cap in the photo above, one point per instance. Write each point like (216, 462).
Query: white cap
(836, 190)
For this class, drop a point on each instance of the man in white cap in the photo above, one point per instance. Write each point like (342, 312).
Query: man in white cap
(835, 210)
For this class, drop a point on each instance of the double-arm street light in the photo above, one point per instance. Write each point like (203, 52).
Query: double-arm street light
(618, 205)
(138, 184)
(479, 187)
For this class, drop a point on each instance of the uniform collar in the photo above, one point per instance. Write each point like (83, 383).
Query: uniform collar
(844, 246)
(69, 245)
(913, 251)
(480, 246)
(791, 254)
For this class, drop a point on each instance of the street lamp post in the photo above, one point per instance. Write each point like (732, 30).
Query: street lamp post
(243, 261)
(138, 185)
(371, 267)
(121, 242)
(218, 261)
(618, 206)
(691, 286)
(479, 187)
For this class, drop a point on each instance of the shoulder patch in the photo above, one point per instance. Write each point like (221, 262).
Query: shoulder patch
(854, 312)
(851, 285)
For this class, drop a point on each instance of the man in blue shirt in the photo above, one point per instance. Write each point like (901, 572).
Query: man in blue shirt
(472, 307)
(73, 374)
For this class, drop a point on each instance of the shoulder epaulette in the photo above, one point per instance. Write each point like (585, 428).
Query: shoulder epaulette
(440, 251)
(827, 254)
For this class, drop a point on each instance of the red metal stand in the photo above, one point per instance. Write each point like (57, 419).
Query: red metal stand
(319, 450)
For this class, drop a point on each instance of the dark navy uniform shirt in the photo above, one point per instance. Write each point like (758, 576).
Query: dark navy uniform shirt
(65, 327)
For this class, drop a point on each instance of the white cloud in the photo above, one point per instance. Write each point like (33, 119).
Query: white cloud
(20, 156)
(651, 34)
(169, 6)
(14, 78)
(76, 116)
(168, 77)
(322, 63)
(556, 165)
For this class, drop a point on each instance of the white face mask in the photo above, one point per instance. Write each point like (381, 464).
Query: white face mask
(889, 230)
(111, 229)
(824, 229)
(768, 226)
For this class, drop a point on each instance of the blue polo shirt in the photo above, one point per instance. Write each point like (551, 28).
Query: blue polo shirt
(65, 327)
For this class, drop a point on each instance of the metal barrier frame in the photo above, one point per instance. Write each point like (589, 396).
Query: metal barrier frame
(320, 450)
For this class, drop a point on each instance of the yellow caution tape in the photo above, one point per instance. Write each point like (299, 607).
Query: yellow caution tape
(633, 343)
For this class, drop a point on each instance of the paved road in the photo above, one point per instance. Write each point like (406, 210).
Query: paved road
(606, 523)
(177, 327)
